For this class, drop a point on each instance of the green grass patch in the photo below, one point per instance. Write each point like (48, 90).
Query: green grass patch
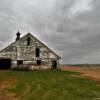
(51, 85)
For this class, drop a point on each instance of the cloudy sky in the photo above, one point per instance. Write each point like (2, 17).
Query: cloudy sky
(69, 27)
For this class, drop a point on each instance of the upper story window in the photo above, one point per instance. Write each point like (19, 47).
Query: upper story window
(28, 41)
(37, 52)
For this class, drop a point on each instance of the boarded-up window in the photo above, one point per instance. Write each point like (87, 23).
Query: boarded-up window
(37, 52)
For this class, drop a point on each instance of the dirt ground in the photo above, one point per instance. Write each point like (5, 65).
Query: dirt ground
(91, 72)
(5, 83)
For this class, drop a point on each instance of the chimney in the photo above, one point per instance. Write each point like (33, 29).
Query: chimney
(18, 36)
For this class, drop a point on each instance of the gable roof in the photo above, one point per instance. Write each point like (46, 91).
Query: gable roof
(36, 40)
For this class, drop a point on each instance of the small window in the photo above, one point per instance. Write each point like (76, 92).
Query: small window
(28, 41)
(38, 62)
(37, 52)
(19, 62)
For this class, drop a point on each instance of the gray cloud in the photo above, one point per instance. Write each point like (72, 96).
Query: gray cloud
(69, 27)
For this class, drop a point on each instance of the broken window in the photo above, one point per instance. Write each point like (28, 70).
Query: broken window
(19, 62)
(28, 41)
(37, 52)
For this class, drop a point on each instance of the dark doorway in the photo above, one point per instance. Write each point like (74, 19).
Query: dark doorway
(37, 52)
(38, 62)
(5, 63)
(54, 64)
(19, 62)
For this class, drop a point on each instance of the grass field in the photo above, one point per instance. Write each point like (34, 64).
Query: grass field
(47, 85)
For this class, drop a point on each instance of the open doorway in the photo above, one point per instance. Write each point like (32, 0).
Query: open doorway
(5, 63)
(54, 64)
(38, 62)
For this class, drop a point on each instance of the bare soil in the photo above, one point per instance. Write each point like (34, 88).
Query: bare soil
(5, 83)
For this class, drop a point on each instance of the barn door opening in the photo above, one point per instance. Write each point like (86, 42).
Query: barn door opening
(38, 62)
(54, 64)
(5, 63)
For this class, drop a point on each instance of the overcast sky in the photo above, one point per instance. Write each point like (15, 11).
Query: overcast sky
(69, 27)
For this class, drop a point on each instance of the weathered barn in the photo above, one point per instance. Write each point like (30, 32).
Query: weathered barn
(28, 51)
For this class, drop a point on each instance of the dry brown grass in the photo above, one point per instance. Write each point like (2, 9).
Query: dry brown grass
(91, 72)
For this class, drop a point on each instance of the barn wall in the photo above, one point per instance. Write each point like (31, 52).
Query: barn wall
(20, 51)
